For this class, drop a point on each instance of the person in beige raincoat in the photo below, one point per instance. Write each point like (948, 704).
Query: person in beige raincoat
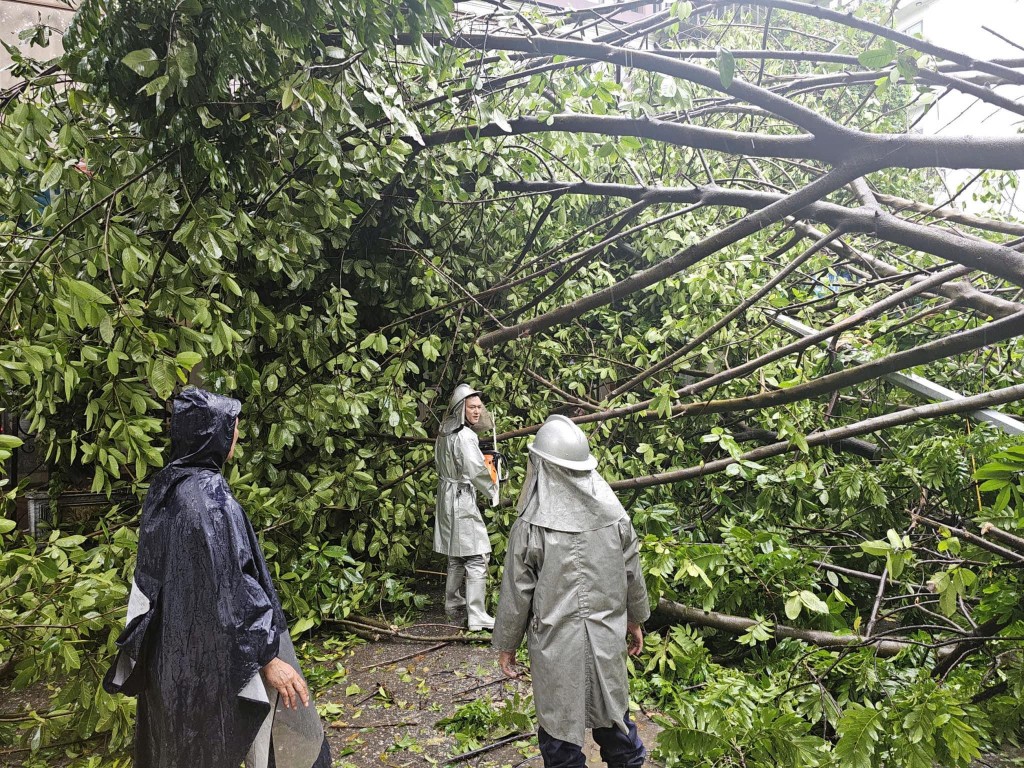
(459, 531)
(573, 585)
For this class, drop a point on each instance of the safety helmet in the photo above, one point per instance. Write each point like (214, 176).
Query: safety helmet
(561, 442)
(461, 393)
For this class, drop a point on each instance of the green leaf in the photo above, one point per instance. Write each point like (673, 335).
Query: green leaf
(876, 547)
(143, 62)
(302, 625)
(813, 602)
(793, 607)
(6, 525)
(86, 291)
(106, 329)
(876, 58)
(682, 10)
(726, 67)
(859, 730)
(163, 375)
(188, 359)
(155, 86)
(501, 121)
(51, 176)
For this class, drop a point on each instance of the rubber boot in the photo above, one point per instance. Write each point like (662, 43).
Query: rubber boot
(454, 599)
(478, 617)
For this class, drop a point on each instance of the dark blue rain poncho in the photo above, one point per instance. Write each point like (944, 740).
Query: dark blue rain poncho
(203, 617)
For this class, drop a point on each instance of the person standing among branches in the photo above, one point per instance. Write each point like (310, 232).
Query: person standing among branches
(573, 583)
(206, 647)
(459, 531)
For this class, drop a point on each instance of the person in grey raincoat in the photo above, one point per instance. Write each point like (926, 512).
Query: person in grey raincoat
(459, 530)
(573, 585)
(206, 648)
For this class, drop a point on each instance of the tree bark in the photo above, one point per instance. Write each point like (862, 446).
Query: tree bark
(952, 214)
(988, 257)
(725, 237)
(867, 426)
(978, 541)
(738, 625)
(1015, 542)
(961, 650)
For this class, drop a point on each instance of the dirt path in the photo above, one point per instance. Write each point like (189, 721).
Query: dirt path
(384, 700)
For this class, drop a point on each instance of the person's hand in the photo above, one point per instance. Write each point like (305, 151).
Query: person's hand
(636, 639)
(288, 683)
(507, 662)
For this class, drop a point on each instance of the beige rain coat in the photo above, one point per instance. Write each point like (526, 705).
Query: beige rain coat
(572, 592)
(459, 529)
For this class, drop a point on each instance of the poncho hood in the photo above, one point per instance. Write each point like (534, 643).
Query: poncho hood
(561, 499)
(202, 429)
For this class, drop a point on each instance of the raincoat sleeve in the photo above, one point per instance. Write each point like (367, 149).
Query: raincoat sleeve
(515, 604)
(638, 607)
(471, 463)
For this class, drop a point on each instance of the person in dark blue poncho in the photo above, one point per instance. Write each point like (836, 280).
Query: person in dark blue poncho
(206, 647)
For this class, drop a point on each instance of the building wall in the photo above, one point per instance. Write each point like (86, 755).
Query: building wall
(960, 25)
(17, 15)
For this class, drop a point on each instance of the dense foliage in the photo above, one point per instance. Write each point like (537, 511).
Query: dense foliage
(292, 202)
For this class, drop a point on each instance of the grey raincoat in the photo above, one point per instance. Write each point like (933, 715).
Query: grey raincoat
(459, 529)
(572, 581)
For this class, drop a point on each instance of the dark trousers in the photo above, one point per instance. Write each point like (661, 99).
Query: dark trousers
(618, 749)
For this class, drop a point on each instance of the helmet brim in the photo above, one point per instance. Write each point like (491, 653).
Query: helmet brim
(465, 397)
(589, 463)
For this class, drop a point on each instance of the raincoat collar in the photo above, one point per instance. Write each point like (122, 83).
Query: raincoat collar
(561, 499)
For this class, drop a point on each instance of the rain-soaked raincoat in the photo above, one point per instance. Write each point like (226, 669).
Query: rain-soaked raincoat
(572, 581)
(459, 529)
(203, 616)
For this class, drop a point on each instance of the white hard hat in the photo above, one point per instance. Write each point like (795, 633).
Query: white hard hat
(561, 442)
(461, 393)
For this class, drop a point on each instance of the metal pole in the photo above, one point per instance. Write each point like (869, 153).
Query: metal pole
(919, 385)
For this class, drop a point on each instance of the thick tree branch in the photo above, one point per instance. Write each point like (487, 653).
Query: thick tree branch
(993, 258)
(801, 116)
(867, 426)
(978, 541)
(801, 147)
(952, 214)
(961, 650)
(1014, 542)
(738, 625)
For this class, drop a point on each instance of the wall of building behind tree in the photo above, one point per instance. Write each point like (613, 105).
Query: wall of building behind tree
(18, 15)
(964, 26)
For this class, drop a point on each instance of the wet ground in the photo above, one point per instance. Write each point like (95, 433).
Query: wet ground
(385, 701)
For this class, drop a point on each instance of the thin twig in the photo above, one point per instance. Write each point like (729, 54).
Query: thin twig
(344, 727)
(499, 743)
(420, 652)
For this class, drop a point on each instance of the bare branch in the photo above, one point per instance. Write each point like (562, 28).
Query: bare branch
(741, 624)
(745, 227)
(867, 426)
